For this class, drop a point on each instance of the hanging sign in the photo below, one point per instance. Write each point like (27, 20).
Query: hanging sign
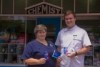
(43, 8)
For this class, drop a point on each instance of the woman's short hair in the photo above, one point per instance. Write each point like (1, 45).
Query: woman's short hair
(40, 27)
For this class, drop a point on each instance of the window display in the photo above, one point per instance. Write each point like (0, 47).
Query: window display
(12, 40)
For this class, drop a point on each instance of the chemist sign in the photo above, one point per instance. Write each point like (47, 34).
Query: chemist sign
(43, 8)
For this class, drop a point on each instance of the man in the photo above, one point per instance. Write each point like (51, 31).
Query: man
(76, 41)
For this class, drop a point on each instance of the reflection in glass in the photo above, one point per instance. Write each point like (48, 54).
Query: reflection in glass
(94, 6)
(0, 7)
(3, 58)
(7, 6)
(33, 2)
(55, 2)
(12, 35)
(81, 6)
(19, 6)
(12, 58)
(68, 5)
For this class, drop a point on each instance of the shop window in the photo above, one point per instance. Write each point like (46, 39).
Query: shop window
(7, 6)
(96, 59)
(33, 2)
(94, 6)
(19, 6)
(12, 39)
(81, 6)
(55, 2)
(0, 6)
(68, 5)
(30, 29)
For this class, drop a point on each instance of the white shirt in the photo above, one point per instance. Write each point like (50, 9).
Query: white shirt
(74, 38)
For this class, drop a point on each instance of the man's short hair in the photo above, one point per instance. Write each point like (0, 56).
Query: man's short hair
(69, 12)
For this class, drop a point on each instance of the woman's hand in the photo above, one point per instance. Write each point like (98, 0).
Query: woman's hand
(42, 61)
(58, 61)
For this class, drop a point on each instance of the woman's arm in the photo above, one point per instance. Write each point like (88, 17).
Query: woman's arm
(32, 61)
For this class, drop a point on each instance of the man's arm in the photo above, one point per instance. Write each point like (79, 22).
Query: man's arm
(83, 50)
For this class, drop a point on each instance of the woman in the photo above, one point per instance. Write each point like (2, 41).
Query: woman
(38, 53)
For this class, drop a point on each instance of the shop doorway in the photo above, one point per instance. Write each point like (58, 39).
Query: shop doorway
(53, 26)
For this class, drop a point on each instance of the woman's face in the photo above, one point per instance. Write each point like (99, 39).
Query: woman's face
(41, 34)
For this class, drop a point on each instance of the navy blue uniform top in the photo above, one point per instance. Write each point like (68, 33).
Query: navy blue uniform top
(35, 49)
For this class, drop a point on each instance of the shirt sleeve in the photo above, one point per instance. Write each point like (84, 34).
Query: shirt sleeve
(58, 40)
(27, 53)
(86, 40)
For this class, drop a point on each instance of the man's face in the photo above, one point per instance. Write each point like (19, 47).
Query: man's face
(70, 20)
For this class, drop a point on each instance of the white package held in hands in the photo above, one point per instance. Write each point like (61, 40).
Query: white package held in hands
(65, 60)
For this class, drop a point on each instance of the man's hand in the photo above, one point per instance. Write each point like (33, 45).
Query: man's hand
(71, 54)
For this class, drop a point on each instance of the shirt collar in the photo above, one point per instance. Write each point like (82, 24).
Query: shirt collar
(71, 29)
